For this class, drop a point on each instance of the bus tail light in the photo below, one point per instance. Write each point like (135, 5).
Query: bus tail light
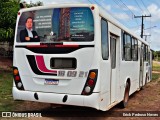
(92, 75)
(87, 89)
(19, 85)
(90, 83)
(92, 8)
(17, 79)
(19, 13)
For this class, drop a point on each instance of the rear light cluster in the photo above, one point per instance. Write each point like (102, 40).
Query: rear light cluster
(92, 8)
(17, 79)
(90, 83)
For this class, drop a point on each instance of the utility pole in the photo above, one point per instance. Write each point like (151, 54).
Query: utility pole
(146, 37)
(142, 26)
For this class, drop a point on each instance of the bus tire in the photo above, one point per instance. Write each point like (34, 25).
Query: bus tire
(126, 96)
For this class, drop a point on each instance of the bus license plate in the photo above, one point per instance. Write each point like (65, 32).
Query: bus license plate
(51, 82)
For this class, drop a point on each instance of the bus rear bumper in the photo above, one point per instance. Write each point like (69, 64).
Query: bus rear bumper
(77, 100)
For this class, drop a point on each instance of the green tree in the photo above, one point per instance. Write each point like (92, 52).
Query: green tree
(8, 15)
(156, 55)
(35, 4)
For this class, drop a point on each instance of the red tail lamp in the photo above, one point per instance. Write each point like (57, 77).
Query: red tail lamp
(19, 13)
(90, 82)
(17, 78)
(92, 8)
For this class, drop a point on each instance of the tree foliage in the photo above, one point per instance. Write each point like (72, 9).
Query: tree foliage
(156, 55)
(8, 15)
(9, 10)
(35, 4)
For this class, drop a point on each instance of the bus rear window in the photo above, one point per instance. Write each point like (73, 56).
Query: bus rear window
(56, 25)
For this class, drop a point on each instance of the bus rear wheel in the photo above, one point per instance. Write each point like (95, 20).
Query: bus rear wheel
(126, 96)
(146, 80)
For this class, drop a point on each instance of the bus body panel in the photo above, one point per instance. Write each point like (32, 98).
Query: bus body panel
(70, 85)
(129, 71)
(90, 101)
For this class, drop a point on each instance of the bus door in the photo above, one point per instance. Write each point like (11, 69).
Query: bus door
(141, 66)
(114, 58)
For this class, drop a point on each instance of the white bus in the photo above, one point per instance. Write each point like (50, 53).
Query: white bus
(77, 54)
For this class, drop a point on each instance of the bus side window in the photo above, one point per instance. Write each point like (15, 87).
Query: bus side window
(134, 49)
(122, 44)
(149, 57)
(127, 47)
(104, 39)
(145, 55)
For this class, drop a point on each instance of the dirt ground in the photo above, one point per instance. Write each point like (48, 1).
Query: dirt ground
(5, 64)
(147, 99)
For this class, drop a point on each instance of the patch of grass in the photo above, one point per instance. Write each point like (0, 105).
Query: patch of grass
(155, 76)
(156, 66)
(6, 100)
(6, 91)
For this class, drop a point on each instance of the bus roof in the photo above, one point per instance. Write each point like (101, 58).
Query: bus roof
(55, 6)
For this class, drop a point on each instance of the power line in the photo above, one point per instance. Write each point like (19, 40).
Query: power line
(128, 9)
(142, 17)
(142, 27)
(145, 6)
(105, 9)
(126, 6)
(89, 1)
(120, 6)
(139, 6)
(117, 3)
(99, 4)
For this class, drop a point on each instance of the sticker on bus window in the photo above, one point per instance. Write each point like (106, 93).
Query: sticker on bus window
(57, 24)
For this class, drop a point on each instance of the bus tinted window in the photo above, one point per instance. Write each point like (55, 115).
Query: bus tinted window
(146, 53)
(104, 38)
(134, 49)
(58, 24)
(127, 46)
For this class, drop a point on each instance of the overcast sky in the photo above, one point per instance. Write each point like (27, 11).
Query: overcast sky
(124, 11)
